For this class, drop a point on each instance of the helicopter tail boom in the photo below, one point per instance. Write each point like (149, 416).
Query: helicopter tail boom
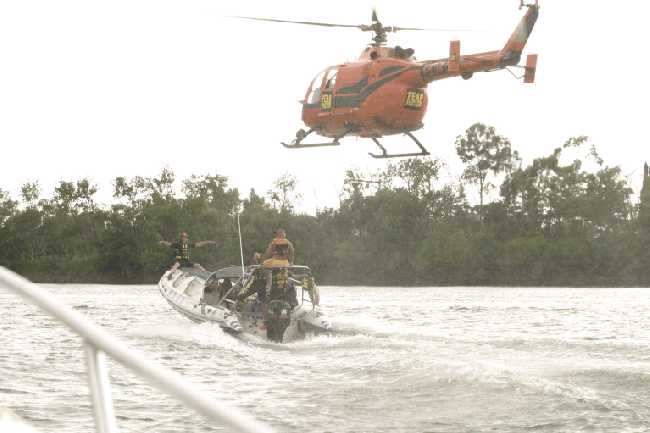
(466, 65)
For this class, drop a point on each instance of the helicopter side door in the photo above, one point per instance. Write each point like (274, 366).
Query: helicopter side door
(351, 81)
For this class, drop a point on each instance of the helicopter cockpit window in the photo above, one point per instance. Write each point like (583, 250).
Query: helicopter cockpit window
(330, 79)
(315, 92)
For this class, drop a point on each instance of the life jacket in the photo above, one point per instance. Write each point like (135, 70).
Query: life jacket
(280, 277)
(279, 284)
(183, 251)
(275, 263)
(280, 249)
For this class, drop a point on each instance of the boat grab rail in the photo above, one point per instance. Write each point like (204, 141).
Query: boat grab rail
(304, 290)
(97, 343)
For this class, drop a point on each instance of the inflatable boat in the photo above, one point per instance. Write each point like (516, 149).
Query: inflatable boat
(280, 303)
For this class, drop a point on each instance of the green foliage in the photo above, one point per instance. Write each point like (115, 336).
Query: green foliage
(7, 207)
(484, 152)
(30, 193)
(556, 223)
(557, 199)
(283, 195)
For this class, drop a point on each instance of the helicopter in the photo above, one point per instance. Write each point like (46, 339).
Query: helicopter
(384, 92)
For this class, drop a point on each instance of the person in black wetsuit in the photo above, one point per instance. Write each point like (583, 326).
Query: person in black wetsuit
(182, 251)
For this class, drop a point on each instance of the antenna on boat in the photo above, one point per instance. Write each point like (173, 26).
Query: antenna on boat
(241, 249)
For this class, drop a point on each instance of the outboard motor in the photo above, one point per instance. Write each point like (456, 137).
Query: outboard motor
(278, 317)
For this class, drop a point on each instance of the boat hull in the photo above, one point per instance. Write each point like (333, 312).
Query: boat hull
(175, 287)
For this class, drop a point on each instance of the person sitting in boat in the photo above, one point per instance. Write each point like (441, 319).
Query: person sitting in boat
(281, 289)
(211, 295)
(182, 249)
(225, 288)
(255, 284)
(216, 290)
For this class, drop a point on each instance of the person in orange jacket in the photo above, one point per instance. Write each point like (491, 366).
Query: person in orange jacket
(280, 252)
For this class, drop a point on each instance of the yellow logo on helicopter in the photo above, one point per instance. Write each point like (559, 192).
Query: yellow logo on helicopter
(414, 99)
(326, 101)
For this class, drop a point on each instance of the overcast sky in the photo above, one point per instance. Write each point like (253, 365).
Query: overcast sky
(123, 88)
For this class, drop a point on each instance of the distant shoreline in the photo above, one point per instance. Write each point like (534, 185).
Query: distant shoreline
(552, 223)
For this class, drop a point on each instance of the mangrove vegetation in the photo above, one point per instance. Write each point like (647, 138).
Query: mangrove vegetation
(565, 219)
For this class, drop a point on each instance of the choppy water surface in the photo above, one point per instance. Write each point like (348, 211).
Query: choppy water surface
(404, 360)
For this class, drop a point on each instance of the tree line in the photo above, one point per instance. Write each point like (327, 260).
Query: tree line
(565, 219)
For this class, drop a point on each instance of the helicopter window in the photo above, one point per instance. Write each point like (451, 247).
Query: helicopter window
(330, 79)
(315, 96)
(315, 92)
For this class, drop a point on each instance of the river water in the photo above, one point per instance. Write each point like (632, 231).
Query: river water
(402, 360)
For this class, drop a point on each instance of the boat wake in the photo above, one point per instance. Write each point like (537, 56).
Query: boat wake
(547, 372)
(179, 330)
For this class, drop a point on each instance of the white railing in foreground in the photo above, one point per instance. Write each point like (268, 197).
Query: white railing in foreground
(97, 342)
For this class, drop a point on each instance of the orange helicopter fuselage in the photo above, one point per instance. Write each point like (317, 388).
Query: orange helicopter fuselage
(367, 98)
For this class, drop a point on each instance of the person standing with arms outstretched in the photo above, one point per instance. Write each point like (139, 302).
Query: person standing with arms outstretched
(182, 251)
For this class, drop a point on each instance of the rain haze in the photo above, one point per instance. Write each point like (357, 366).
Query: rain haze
(126, 88)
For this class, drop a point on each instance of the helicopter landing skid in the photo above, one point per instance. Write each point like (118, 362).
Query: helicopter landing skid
(306, 146)
(385, 154)
(301, 134)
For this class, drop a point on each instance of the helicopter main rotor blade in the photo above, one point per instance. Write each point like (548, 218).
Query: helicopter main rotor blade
(309, 23)
(399, 29)
(376, 26)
